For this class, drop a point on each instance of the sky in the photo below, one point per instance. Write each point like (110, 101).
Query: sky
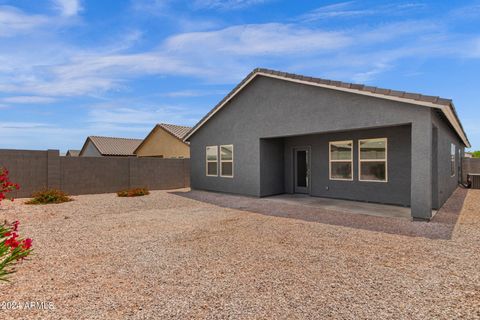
(74, 68)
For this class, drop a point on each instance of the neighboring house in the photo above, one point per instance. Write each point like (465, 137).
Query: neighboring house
(284, 133)
(468, 155)
(96, 146)
(72, 153)
(165, 141)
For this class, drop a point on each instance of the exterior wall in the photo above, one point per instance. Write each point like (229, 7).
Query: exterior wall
(36, 170)
(395, 191)
(271, 108)
(91, 150)
(272, 170)
(163, 144)
(444, 183)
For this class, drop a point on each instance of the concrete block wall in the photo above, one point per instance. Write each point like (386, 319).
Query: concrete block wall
(470, 165)
(36, 170)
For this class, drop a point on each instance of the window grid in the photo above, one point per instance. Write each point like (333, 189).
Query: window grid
(226, 161)
(330, 160)
(360, 160)
(211, 161)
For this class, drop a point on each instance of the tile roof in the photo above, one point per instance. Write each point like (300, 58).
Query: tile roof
(359, 87)
(110, 146)
(178, 131)
(352, 87)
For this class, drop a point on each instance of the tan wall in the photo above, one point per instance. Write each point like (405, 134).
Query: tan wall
(162, 143)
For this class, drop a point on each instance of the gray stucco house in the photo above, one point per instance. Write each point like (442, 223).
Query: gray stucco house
(284, 133)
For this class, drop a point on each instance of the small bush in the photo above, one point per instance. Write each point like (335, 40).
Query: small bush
(48, 196)
(137, 192)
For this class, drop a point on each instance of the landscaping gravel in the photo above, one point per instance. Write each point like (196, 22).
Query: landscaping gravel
(191, 255)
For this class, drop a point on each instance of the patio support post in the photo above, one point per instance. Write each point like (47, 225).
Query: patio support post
(421, 180)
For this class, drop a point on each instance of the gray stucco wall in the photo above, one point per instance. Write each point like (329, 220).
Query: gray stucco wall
(395, 191)
(268, 108)
(444, 183)
(272, 166)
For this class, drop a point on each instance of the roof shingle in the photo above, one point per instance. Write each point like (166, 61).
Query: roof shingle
(111, 146)
(178, 131)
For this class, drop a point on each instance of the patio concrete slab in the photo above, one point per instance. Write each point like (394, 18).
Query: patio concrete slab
(351, 214)
(345, 206)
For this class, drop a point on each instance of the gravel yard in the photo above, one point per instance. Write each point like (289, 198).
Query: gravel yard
(180, 255)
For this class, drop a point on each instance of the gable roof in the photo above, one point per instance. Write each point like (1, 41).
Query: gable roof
(177, 132)
(445, 105)
(73, 153)
(111, 146)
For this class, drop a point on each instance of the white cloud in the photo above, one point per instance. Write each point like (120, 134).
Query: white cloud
(156, 7)
(28, 99)
(227, 54)
(14, 21)
(193, 93)
(22, 125)
(115, 114)
(68, 7)
(337, 10)
(474, 49)
(260, 39)
(227, 4)
(354, 9)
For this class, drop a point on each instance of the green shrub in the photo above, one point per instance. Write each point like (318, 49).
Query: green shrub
(136, 192)
(48, 196)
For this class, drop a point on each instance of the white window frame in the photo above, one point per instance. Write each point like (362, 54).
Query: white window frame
(208, 161)
(330, 160)
(453, 156)
(222, 161)
(372, 160)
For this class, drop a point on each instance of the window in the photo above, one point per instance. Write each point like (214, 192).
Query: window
(452, 160)
(341, 161)
(212, 161)
(372, 160)
(226, 161)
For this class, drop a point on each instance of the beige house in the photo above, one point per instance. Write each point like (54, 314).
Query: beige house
(165, 141)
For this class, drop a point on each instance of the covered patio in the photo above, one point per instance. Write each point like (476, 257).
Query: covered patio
(376, 217)
(343, 206)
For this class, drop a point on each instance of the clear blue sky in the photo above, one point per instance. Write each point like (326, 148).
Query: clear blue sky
(73, 68)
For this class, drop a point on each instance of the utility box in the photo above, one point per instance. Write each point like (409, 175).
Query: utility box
(474, 180)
